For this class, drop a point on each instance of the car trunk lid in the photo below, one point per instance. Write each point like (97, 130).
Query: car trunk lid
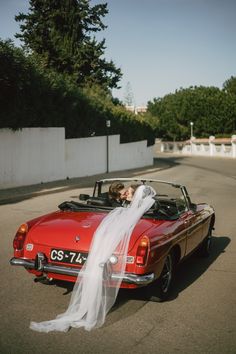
(73, 230)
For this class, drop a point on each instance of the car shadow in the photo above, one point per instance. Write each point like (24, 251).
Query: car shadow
(129, 301)
(190, 269)
(194, 266)
(186, 274)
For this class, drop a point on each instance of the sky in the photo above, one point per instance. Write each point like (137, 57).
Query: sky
(160, 45)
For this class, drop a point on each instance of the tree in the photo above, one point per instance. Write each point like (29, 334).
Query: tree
(59, 34)
(230, 85)
(32, 97)
(213, 112)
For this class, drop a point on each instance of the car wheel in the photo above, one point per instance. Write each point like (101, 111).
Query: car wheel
(205, 248)
(160, 290)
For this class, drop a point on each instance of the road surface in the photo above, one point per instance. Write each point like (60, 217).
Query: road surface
(199, 318)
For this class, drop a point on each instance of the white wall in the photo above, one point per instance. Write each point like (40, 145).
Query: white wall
(35, 155)
(222, 147)
(31, 155)
(85, 156)
(129, 155)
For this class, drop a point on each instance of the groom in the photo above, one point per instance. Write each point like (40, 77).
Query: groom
(117, 194)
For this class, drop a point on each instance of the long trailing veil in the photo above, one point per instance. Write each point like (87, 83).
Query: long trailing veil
(95, 292)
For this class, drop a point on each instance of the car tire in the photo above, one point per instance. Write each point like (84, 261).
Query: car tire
(160, 289)
(205, 248)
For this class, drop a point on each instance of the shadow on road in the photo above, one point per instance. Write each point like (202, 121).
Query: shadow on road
(18, 194)
(186, 274)
(193, 267)
(162, 162)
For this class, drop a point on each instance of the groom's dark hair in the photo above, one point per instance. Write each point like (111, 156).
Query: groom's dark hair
(114, 189)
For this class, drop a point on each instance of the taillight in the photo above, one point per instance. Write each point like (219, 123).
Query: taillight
(18, 242)
(142, 251)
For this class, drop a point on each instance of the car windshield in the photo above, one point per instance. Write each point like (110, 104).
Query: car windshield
(170, 197)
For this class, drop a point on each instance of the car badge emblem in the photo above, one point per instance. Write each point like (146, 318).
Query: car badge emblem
(86, 225)
(77, 238)
(29, 247)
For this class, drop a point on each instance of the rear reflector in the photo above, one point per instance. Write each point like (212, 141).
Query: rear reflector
(142, 251)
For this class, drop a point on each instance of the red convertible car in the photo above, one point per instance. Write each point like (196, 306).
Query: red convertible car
(56, 245)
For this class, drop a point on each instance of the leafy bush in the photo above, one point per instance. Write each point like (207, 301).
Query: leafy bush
(34, 97)
(212, 111)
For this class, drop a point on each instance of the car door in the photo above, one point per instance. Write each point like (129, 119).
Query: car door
(193, 225)
(192, 220)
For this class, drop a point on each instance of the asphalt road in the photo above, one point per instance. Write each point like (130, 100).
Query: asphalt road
(199, 318)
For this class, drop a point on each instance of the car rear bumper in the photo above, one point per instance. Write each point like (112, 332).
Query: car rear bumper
(40, 264)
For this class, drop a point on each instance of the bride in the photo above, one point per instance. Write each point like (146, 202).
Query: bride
(95, 292)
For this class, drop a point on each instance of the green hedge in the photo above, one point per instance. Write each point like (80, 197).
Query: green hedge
(33, 97)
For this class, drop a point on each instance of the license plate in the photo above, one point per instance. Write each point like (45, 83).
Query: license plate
(65, 256)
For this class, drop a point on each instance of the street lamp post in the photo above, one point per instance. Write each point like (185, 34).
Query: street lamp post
(108, 125)
(191, 136)
(191, 128)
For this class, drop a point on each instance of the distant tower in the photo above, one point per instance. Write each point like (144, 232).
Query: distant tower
(129, 98)
(128, 95)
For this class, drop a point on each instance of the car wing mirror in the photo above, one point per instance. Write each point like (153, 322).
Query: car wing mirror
(84, 197)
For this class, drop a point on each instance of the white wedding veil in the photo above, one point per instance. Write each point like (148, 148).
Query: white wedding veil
(95, 292)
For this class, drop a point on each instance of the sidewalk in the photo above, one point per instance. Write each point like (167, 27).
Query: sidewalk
(13, 195)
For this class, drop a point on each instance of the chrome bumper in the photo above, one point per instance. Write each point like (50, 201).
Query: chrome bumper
(41, 265)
